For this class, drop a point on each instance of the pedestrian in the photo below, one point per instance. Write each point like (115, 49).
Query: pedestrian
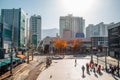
(83, 69)
(94, 70)
(87, 67)
(90, 66)
(115, 68)
(75, 62)
(103, 68)
(99, 69)
(110, 68)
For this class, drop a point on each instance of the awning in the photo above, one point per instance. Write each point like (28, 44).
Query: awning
(8, 61)
(2, 64)
(21, 56)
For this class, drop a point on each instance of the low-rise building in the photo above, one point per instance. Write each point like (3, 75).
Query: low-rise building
(99, 44)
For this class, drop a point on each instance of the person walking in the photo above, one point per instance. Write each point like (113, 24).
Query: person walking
(75, 62)
(87, 68)
(99, 69)
(83, 69)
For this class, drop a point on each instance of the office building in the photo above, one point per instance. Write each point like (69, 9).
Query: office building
(35, 29)
(114, 40)
(16, 18)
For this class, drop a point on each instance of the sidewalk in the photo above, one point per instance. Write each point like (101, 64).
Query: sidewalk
(22, 71)
(111, 58)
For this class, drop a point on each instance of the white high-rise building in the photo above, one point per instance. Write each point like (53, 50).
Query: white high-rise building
(35, 29)
(89, 30)
(27, 32)
(97, 30)
(74, 24)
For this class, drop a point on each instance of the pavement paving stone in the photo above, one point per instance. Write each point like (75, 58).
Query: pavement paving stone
(65, 70)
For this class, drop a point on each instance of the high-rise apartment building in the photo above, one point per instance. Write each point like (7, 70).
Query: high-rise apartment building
(97, 30)
(17, 19)
(27, 40)
(35, 29)
(89, 30)
(73, 24)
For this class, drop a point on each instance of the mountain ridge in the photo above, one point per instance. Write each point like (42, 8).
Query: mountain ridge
(49, 32)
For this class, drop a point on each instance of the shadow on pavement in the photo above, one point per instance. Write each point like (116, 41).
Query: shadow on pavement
(96, 75)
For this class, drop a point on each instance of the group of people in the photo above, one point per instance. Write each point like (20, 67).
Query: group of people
(96, 68)
(113, 69)
(93, 67)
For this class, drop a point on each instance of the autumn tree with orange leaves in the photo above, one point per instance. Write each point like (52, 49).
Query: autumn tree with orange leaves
(76, 44)
(60, 44)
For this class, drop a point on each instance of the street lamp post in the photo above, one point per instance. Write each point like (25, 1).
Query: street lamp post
(91, 52)
(118, 55)
(106, 59)
(118, 65)
(28, 57)
(12, 45)
(97, 59)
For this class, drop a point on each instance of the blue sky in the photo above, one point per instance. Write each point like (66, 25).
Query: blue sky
(93, 11)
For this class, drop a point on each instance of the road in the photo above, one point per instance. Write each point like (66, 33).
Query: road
(64, 69)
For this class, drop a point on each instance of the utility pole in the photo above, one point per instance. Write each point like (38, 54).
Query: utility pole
(12, 45)
(106, 59)
(28, 56)
(32, 53)
(97, 59)
(118, 64)
(118, 54)
(91, 52)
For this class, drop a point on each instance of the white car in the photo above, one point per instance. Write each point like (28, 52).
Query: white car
(57, 57)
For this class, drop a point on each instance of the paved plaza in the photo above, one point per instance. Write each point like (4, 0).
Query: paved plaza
(64, 69)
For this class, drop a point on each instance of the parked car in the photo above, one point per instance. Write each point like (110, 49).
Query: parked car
(57, 57)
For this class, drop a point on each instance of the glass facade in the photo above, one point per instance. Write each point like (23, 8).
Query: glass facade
(19, 25)
(35, 29)
(34, 40)
(1, 35)
(7, 32)
(5, 35)
(96, 41)
(114, 38)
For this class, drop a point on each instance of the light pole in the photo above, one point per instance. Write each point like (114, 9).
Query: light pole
(118, 54)
(118, 64)
(91, 52)
(28, 57)
(12, 45)
(97, 59)
(106, 59)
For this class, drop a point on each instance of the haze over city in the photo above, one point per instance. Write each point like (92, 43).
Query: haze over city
(93, 11)
(59, 39)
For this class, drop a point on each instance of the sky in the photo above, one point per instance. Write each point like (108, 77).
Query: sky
(93, 11)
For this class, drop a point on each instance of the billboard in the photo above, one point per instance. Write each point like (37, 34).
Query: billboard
(80, 35)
